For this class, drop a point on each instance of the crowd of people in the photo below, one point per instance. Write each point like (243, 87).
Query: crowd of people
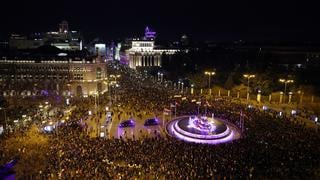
(271, 146)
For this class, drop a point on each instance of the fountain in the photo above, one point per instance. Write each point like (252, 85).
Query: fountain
(202, 129)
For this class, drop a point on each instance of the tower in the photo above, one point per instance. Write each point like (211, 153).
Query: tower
(63, 27)
(149, 34)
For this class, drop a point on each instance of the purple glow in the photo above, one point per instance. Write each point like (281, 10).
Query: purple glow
(44, 93)
(204, 141)
(188, 135)
(201, 124)
(200, 136)
(148, 34)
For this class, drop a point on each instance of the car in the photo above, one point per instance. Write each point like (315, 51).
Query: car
(151, 122)
(127, 123)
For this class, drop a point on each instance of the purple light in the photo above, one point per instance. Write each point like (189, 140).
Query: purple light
(228, 138)
(201, 124)
(189, 135)
(148, 34)
(44, 92)
(200, 136)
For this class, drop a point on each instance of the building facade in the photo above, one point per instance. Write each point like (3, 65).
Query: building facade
(68, 76)
(144, 54)
(62, 39)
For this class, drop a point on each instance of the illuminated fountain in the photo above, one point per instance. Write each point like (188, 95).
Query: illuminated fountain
(202, 129)
(201, 124)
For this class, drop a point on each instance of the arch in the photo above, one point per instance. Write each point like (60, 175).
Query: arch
(12, 93)
(98, 73)
(79, 91)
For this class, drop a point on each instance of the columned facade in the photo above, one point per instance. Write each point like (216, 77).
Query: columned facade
(143, 54)
(64, 76)
(144, 60)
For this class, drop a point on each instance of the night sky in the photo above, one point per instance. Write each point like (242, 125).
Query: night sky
(199, 19)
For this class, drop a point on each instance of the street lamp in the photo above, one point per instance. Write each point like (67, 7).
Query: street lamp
(192, 86)
(209, 73)
(161, 74)
(182, 87)
(248, 76)
(285, 82)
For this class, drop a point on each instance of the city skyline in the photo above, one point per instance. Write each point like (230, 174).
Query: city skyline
(219, 21)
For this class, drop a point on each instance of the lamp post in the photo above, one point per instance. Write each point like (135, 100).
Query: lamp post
(248, 76)
(209, 74)
(192, 85)
(161, 77)
(182, 87)
(285, 82)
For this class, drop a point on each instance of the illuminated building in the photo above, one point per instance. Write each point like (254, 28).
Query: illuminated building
(144, 53)
(63, 39)
(62, 74)
(100, 49)
(64, 27)
(117, 52)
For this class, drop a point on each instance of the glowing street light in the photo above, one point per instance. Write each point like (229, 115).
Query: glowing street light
(182, 87)
(160, 76)
(285, 82)
(248, 76)
(192, 86)
(209, 73)
(179, 82)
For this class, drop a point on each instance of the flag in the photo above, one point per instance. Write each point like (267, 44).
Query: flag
(172, 105)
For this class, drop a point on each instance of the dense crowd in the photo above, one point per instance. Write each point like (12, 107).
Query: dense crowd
(271, 146)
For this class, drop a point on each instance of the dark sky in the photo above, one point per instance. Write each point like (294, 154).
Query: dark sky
(217, 20)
